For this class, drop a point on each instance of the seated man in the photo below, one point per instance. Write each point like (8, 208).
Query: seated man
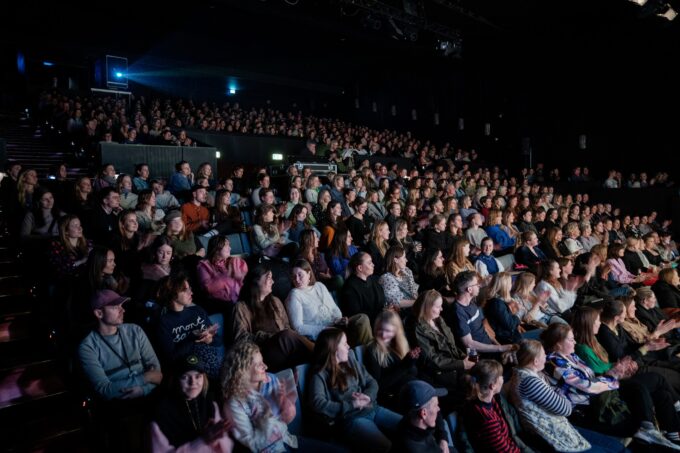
(422, 428)
(118, 358)
(361, 293)
(466, 320)
(196, 217)
(164, 199)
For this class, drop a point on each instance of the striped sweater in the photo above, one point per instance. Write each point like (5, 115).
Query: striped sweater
(487, 428)
(544, 411)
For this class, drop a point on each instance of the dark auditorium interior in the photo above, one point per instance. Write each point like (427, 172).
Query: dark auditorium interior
(340, 225)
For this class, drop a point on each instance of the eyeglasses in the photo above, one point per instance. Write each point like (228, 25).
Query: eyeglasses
(472, 286)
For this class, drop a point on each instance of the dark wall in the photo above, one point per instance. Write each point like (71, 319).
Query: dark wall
(161, 159)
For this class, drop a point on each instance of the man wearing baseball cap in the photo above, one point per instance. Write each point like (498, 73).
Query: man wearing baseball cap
(118, 358)
(422, 429)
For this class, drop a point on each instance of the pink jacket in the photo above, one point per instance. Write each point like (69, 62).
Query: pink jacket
(222, 280)
(619, 271)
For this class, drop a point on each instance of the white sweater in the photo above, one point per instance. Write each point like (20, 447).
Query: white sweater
(559, 301)
(311, 309)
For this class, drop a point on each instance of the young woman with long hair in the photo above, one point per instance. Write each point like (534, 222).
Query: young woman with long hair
(400, 288)
(261, 317)
(389, 359)
(345, 394)
(221, 275)
(260, 405)
(311, 308)
(69, 251)
(459, 260)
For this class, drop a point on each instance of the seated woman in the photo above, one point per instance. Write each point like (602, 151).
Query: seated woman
(309, 251)
(587, 240)
(529, 254)
(435, 236)
(618, 344)
(650, 251)
(42, 221)
(260, 406)
(261, 317)
(295, 199)
(667, 290)
(227, 215)
(560, 299)
(187, 418)
(459, 260)
(299, 222)
(432, 274)
(358, 224)
(649, 313)
(504, 243)
(149, 218)
(443, 362)
(129, 245)
(403, 238)
(636, 262)
(82, 200)
(69, 252)
(319, 208)
(332, 223)
(619, 273)
(589, 394)
(486, 414)
(311, 308)
(344, 394)
(221, 275)
(184, 328)
(543, 410)
(400, 288)
(639, 332)
(573, 246)
(340, 252)
(267, 234)
(531, 307)
(499, 308)
(553, 239)
(389, 359)
(161, 259)
(486, 264)
(102, 273)
(183, 242)
(377, 247)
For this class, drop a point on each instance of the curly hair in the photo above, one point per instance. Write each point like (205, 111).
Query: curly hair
(236, 370)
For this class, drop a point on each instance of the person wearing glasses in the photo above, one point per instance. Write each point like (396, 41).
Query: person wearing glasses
(466, 320)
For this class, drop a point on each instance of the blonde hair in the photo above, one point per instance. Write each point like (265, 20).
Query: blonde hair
(236, 370)
(379, 241)
(499, 287)
(527, 352)
(424, 302)
(399, 344)
(523, 283)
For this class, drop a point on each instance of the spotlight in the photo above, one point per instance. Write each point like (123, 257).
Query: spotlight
(119, 74)
(639, 2)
